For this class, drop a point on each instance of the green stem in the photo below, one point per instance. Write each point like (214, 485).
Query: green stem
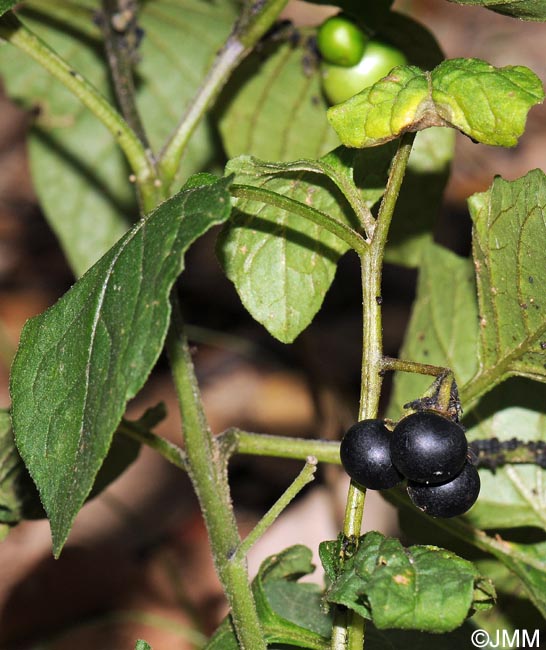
(372, 360)
(225, 62)
(402, 365)
(255, 19)
(257, 16)
(346, 234)
(18, 35)
(302, 479)
(235, 441)
(168, 450)
(207, 471)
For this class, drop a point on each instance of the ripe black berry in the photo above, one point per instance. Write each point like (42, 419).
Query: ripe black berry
(365, 455)
(428, 448)
(448, 499)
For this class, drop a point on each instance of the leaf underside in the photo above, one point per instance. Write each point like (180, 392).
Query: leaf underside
(79, 173)
(281, 264)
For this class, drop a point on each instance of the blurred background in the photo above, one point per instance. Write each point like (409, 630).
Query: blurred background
(137, 563)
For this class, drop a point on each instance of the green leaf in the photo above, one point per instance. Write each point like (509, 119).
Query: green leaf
(5, 5)
(526, 558)
(524, 9)
(486, 103)
(282, 264)
(509, 228)
(224, 638)
(142, 645)
(81, 361)
(528, 562)
(513, 495)
(290, 612)
(80, 176)
(513, 609)
(443, 329)
(421, 587)
(274, 108)
(18, 496)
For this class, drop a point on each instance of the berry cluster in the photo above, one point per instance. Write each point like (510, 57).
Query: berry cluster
(351, 60)
(427, 449)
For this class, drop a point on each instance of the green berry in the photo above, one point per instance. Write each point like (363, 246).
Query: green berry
(340, 41)
(340, 83)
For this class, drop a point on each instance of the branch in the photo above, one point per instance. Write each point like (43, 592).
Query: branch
(255, 20)
(302, 479)
(118, 23)
(207, 471)
(235, 441)
(18, 35)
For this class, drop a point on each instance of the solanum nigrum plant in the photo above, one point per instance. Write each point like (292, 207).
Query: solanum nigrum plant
(137, 108)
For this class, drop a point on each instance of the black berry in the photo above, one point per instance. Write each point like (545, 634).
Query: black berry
(365, 455)
(448, 499)
(427, 447)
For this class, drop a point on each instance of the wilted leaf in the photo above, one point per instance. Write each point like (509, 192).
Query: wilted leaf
(282, 264)
(486, 103)
(421, 587)
(81, 361)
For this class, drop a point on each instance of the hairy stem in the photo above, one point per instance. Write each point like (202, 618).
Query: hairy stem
(372, 363)
(235, 441)
(119, 29)
(346, 234)
(206, 469)
(255, 19)
(18, 35)
(174, 454)
(302, 479)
